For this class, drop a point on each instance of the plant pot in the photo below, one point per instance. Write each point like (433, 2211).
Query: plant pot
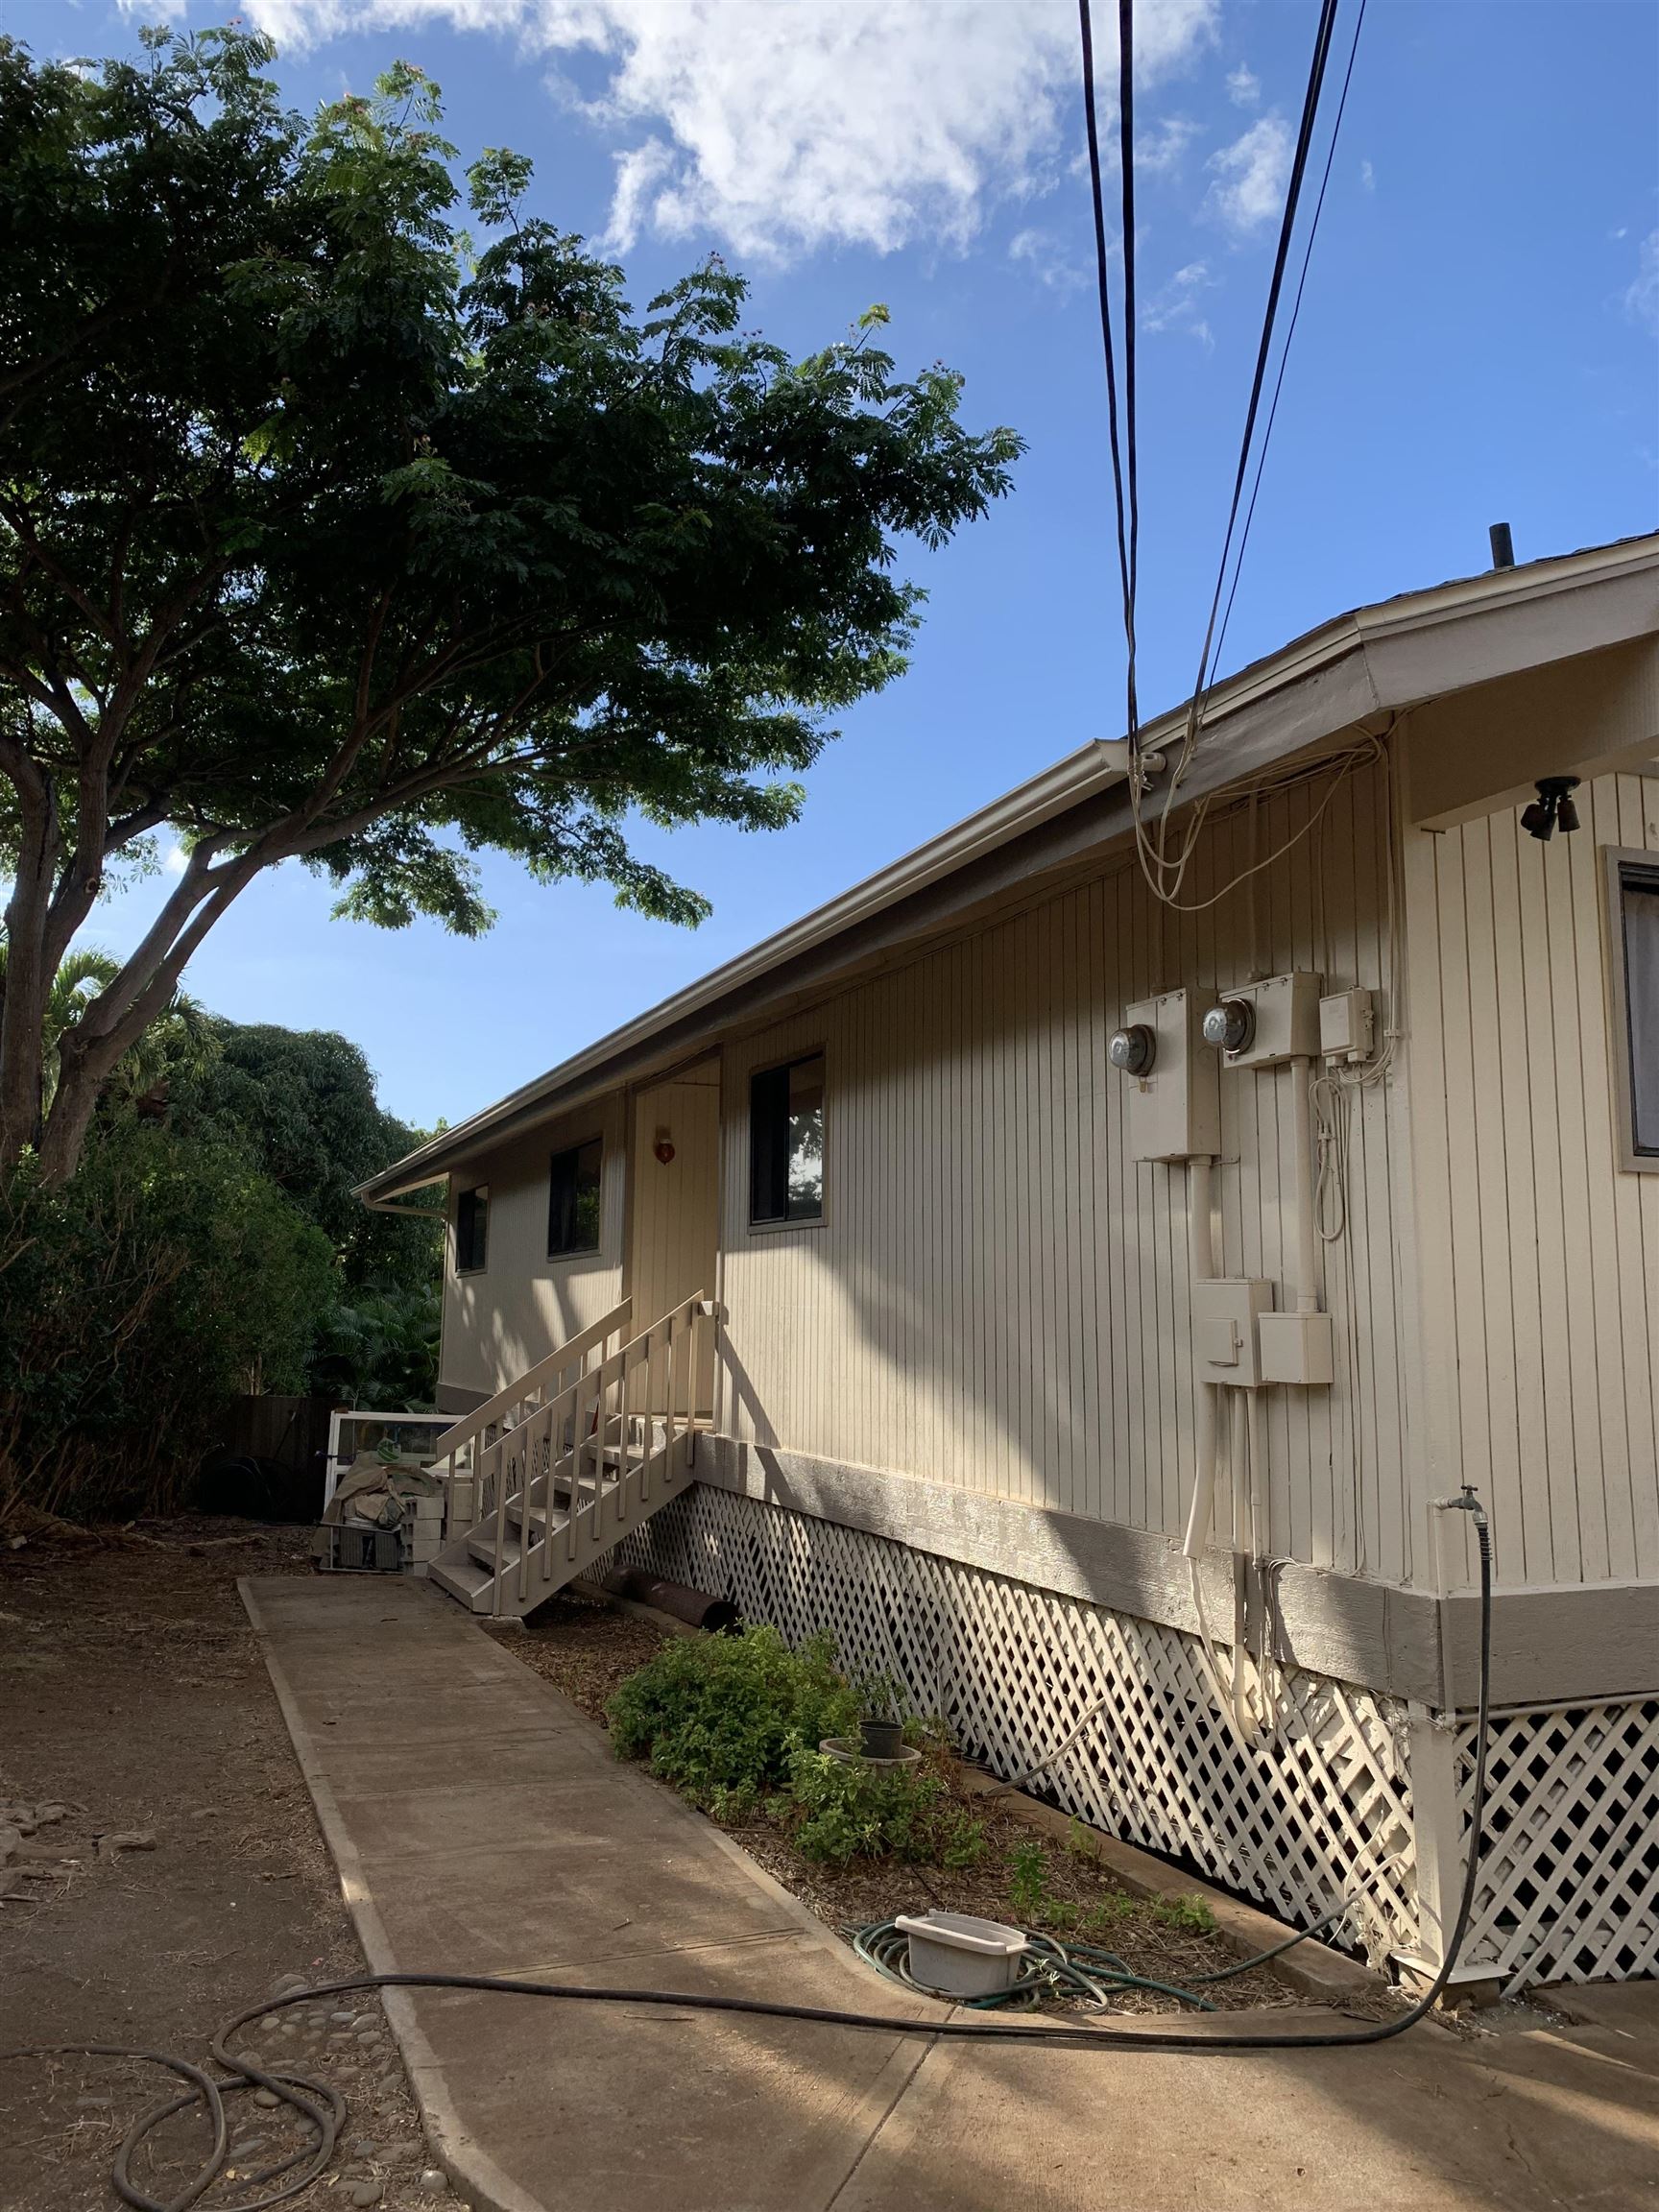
(880, 1739)
(846, 1749)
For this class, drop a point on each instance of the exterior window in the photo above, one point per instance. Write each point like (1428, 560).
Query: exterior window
(787, 1142)
(573, 1200)
(472, 1230)
(1634, 885)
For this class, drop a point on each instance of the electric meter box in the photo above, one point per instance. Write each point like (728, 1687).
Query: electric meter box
(1227, 1315)
(1175, 1108)
(1287, 1010)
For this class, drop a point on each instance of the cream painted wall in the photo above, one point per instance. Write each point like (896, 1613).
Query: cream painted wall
(998, 1295)
(996, 1298)
(500, 1321)
(1540, 1255)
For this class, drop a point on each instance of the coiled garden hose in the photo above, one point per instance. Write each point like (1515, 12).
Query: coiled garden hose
(1051, 1968)
(325, 2110)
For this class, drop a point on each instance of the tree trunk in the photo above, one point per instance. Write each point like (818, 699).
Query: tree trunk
(75, 1101)
(23, 1007)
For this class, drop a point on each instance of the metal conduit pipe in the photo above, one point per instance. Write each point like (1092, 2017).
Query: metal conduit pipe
(1302, 1125)
(1201, 1268)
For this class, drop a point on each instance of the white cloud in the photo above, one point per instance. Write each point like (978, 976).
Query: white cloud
(1642, 295)
(1043, 254)
(176, 860)
(1250, 176)
(1163, 150)
(783, 126)
(1174, 306)
(1367, 177)
(1243, 86)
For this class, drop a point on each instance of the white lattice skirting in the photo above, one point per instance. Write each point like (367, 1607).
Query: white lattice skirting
(1571, 1844)
(1317, 1812)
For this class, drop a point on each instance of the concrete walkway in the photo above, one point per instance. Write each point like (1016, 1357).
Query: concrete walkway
(480, 1825)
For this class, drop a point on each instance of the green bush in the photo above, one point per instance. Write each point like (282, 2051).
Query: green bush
(1190, 1913)
(166, 1277)
(1028, 1880)
(859, 1812)
(725, 1717)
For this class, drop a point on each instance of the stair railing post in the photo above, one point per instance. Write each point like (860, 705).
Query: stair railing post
(500, 1520)
(625, 1401)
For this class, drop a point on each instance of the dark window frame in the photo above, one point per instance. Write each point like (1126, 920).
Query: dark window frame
(574, 1153)
(1635, 1074)
(769, 1203)
(472, 1229)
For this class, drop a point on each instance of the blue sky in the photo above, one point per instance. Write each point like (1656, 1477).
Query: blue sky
(1477, 343)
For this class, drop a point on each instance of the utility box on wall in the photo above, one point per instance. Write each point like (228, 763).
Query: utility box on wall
(1226, 1319)
(1297, 1348)
(1175, 1107)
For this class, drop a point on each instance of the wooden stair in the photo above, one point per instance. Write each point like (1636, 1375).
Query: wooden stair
(569, 1459)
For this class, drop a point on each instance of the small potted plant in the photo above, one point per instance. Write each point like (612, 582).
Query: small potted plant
(880, 1730)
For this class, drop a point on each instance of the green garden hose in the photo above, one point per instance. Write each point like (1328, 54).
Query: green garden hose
(1051, 1968)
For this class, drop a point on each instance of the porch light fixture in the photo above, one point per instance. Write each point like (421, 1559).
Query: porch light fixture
(663, 1148)
(1133, 1049)
(1552, 808)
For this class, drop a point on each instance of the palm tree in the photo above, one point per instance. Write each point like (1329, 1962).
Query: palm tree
(183, 1033)
(78, 982)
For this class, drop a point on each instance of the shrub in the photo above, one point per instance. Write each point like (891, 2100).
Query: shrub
(725, 1717)
(1190, 1914)
(133, 1302)
(851, 1811)
(1028, 1880)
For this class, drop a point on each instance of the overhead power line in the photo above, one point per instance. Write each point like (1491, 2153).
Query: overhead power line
(1290, 332)
(1126, 141)
(1104, 286)
(1321, 56)
(1159, 865)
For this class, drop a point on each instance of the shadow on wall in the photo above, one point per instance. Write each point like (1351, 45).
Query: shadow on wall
(998, 1296)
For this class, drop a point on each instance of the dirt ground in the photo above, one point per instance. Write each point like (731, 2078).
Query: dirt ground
(585, 1649)
(133, 1695)
(166, 1869)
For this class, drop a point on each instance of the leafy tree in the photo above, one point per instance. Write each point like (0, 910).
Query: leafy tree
(322, 537)
(169, 1274)
(379, 1347)
(301, 1107)
(302, 1103)
(80, 976)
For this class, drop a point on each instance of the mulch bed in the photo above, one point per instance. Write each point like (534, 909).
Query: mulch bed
(585, 1649)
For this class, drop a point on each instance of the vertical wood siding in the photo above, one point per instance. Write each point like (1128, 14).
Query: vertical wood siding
(500, 1321)
(1540, 1255)
(998, 1295)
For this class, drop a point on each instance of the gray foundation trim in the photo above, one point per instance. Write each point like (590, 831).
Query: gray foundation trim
(1548, 1646)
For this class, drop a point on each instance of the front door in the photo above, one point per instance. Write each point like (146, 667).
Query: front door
(674, 1165)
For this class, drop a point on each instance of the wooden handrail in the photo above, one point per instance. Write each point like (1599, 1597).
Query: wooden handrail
(482, 1417)
(574, 1431)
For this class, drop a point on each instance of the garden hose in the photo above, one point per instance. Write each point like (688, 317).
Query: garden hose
(325, 2110)
(1047, 1969)
(1051, 1968)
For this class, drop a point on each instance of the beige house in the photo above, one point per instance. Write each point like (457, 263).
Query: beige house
(1073, 1267)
